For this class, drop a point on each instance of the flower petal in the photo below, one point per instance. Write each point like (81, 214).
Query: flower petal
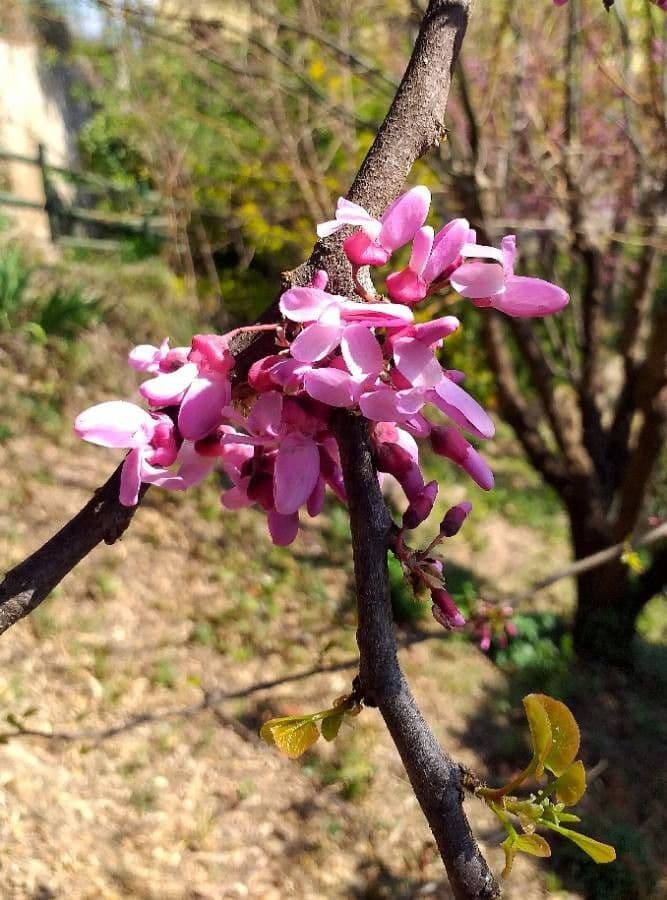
(144, 357)
(478, 279)
(304, 304)
(296, 472)
(416, 362)
(406, 286)
(459, 400)
(201, 408)
(525, 296)
(114, 424)
(376, 315)
(433, 332)
(422, 244)
(446, 248)
(283, 529)
(361, 351)
(168, 387)
(331, 386)
(316, 342)
(265, 415)
(404, 217)
(130, 478)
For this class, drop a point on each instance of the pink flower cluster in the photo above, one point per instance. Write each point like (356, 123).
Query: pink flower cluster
(271, 435)
(492, 623)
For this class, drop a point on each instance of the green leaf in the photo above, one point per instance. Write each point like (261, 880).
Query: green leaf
(540, 730)
(331, 725)
(565, 735)
(534, 844)
(599, 852)
(291, 734)
(568, 817)
(571, 786)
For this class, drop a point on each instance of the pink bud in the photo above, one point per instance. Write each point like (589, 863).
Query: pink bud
(420, 506)
(444, 609)
(454, 519)
(259, 376)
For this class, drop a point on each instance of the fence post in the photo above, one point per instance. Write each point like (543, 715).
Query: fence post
(52, 203)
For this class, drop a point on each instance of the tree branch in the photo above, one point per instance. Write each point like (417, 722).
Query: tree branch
(103, 518)
(414, 123)
(435, 778)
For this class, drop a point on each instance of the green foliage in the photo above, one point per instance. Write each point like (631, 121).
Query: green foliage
(541, 653)
(406, 607)
(555, 739)
(65, 312)
(632, 877)
(293, 735)
(15, 275)
(62, 312)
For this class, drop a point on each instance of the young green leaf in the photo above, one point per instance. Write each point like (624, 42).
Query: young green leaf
(291, 734)
(528, 813)
(571, 786)
(534, 844)
(565, 735)
(540, 730)
(568, 817)
(331, 725)
(599, 852)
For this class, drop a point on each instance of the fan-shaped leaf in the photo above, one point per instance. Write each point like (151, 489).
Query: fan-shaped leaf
(540, 730)
(291, 734)
(565, 735)
(331, 725)
(571, 786)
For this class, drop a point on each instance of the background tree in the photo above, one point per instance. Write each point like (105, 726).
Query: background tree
(574, 164)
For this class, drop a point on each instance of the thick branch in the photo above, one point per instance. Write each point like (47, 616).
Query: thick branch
(434, 777)
(101, 519)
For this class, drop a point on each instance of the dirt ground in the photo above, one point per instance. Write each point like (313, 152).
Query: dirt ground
(136, 785)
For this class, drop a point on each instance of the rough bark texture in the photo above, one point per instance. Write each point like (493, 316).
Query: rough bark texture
(435, 778)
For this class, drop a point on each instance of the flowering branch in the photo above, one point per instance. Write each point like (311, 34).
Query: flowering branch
(327, 390)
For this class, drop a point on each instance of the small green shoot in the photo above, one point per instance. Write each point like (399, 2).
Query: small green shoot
(293, 735)
(555, 740)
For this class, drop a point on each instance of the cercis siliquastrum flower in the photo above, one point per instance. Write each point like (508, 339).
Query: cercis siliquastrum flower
(271, 435)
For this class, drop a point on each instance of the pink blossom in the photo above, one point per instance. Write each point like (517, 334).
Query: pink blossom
(148, 436)
(283, 472)
(147, 358)
(432, 260)
(492, 622)
(201, 386)
(377, 239)
(449, 442)
(494, 283)
(454, 519)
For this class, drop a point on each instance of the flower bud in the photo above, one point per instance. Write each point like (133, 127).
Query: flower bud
(444, 609)
(420, 506)
(454, 519)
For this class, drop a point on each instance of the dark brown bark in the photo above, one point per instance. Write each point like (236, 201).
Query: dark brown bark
(435, 778)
